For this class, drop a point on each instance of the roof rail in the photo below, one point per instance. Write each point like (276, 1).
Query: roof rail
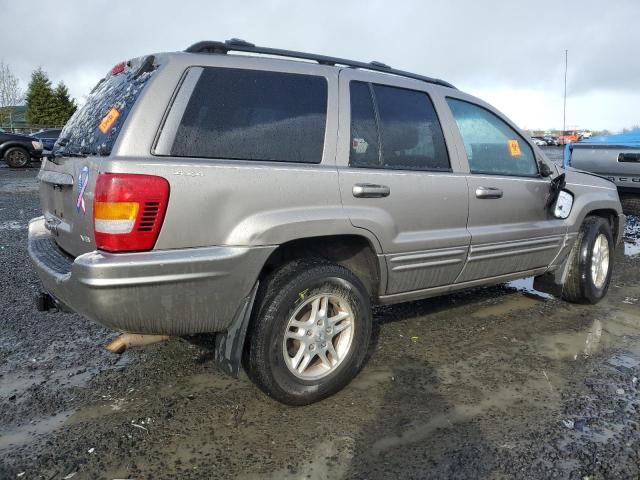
(238, 45)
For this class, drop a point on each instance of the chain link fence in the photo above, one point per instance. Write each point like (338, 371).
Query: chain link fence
(27, 129)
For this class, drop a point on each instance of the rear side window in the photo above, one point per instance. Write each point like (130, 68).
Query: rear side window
(395, 128)
(254, 115)
(492, 146)
(365, 148)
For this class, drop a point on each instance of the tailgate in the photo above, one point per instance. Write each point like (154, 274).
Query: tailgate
(68, 177)
(66, 197)
(619, 164)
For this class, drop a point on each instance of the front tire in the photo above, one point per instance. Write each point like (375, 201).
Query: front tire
(310, 331)
(591, 263)
(17, 157)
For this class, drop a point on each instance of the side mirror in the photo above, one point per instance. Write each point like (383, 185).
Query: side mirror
(563, 204)
(544, 169)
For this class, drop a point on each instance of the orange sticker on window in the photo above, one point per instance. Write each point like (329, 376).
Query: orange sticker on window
(108, 120)
(514, 148)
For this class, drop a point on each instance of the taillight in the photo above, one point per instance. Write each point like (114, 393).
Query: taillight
(128, 211)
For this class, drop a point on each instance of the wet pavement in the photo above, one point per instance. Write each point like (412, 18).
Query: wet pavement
(500, 382)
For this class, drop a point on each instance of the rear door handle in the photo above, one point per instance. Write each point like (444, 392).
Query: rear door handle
(488, 192)
(370, 190)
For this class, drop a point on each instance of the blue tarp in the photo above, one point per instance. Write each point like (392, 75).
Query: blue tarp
(631, 138)
(628, 139)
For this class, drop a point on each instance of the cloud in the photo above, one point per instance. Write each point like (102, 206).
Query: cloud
(508, 50)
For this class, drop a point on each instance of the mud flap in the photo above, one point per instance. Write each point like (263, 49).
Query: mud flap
(230, 344)
(553, 282)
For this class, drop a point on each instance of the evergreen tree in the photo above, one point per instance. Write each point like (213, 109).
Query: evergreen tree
(65, 105)
(41, 101)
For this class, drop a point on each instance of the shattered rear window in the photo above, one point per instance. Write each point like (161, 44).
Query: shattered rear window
(93, 129)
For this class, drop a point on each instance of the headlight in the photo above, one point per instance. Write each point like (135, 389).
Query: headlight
(563, 205)
(37, 144)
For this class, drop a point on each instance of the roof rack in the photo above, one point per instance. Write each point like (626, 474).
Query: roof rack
(238, 45)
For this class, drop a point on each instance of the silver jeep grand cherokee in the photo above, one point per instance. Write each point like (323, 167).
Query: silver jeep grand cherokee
(272, 201)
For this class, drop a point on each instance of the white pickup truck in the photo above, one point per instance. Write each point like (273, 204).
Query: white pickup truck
(616, 157)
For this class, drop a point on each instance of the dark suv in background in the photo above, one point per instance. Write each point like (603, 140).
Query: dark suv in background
(48, 137)
(18, 150)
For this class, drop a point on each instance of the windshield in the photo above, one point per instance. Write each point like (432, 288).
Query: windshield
(94, 128)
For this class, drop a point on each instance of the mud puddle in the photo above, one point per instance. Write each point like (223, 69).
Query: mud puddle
(525, 286)
(510, 305)
(632, 237)
(31, 431)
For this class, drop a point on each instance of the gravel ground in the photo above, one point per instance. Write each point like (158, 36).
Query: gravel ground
(492, 383)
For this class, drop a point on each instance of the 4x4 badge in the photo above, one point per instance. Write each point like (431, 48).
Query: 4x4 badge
(83, 179)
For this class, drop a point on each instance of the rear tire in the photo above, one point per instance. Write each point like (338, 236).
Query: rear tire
(17, 157)
(591, 263)
(310, 331)
(631, 204)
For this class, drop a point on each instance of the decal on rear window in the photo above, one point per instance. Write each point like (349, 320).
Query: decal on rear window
(108, 121)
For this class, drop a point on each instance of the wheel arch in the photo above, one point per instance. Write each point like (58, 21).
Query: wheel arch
(611, 216)
(352, 251)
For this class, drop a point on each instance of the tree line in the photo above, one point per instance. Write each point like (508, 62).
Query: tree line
(46, 105)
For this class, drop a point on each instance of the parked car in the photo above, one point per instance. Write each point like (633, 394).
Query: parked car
(541, 142)
(48, 137)
(551, 140)
(272, 202)
(586, 134)
(616, 157)
(569, 136)
(18, 150)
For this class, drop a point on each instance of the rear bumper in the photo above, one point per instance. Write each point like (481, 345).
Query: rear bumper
(170, 292)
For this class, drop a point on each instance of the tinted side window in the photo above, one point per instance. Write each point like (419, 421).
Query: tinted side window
(254, 115)
(492, 146)
(365, 148)
(411, 135)
(395, 128)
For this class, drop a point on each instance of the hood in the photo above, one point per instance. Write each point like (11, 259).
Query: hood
(4, 136)
(575, 176)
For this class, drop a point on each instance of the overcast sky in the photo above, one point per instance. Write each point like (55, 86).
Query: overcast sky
(510, 53)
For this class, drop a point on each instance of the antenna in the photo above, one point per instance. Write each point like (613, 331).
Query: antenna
(564, 108)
